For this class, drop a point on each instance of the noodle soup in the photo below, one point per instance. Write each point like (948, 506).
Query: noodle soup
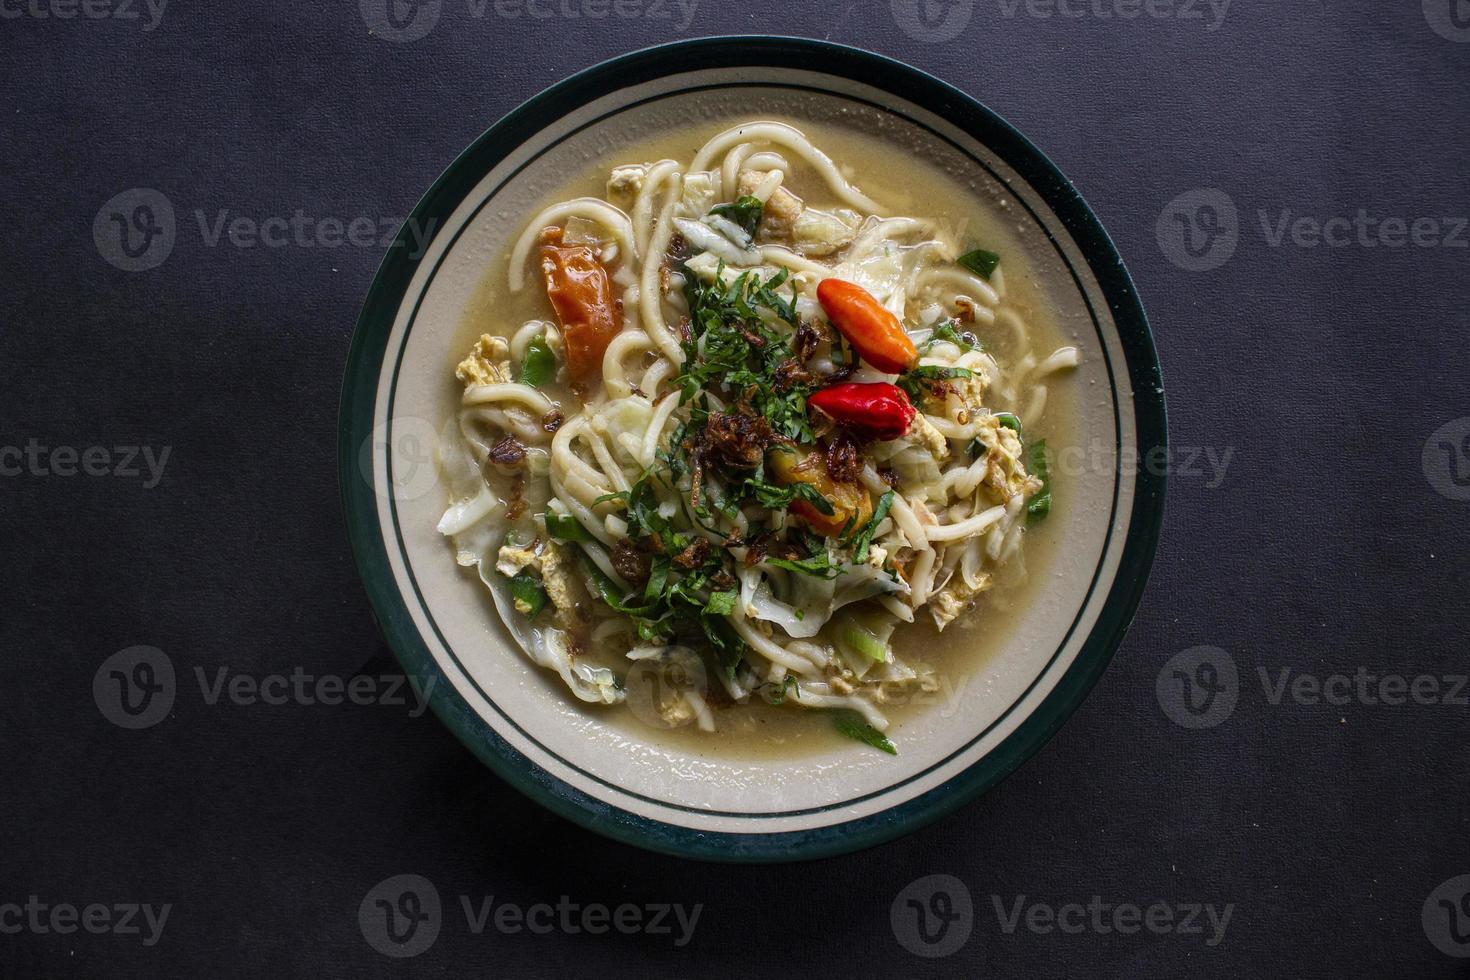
(753, 440)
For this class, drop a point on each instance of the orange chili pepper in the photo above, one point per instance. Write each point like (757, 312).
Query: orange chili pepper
(582, 294)
(872, 330)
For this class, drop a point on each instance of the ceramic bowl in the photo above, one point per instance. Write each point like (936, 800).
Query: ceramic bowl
(399, 391)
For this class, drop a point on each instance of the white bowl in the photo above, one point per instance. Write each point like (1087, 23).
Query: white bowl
(627, 783)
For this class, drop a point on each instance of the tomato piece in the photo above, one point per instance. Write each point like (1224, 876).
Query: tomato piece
(582, 294)
(851, 505)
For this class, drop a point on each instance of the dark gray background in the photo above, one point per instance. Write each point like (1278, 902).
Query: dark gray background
(1326, 548)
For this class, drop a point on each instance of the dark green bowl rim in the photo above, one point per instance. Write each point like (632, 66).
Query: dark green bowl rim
(389, 287)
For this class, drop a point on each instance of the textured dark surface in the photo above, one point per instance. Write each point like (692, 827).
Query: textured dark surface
(1326, 547)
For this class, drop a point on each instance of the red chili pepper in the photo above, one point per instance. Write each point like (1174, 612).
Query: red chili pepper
(870, 411)
(867, 324)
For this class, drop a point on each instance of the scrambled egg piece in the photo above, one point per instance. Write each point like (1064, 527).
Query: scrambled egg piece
(488, 363)
(923, 432)
(839, 675)
(512, 560)
(550, 560)
(972, 390)
(1005, 472)
(782, 208)
(624, 184)
(556, 576)
(946, 604)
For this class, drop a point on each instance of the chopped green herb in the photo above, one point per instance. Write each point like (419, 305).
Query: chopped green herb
(736, 346)
(947, 331)
(607, 589)
(528, 592)
(652, 630)
(865, 537)
(775, 694)
(916, 380)
(773, 497)
(727, 644)
(678, 599)
(745, 212)
(640, 508)
(976, 448)
(658, 577)
(565, 527)
(1036, 465)
(1009, 421)
(539, 365)
(851, 724)
(980, 262)
(722, 603)
(819, 565)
